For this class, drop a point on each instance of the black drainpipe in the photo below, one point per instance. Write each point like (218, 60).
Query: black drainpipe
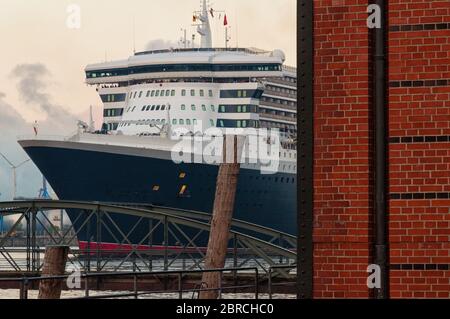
(380, 152)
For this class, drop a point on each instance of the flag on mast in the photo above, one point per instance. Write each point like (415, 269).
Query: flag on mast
(225, 20)
(212, 12)
(194, 18)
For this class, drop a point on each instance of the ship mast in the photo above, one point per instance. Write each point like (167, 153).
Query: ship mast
(204, 29)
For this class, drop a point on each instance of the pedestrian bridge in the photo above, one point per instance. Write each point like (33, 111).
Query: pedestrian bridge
(250, 245)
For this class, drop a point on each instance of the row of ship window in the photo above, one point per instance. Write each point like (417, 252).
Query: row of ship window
(282, 90)
(145, 122)
(289, 79)
(221, 109)
(163, 121)
(112, 98)
(281, 126)
(162, 93)
(278, 113)
(220, 123)
(278, 101)
(203, 67)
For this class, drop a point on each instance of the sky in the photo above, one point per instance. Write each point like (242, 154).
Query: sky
(42, 57)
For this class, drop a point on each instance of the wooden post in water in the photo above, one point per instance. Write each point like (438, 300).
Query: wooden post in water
(54, 265)
(221, 220)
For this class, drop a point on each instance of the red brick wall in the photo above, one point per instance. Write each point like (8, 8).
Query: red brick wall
(419, 163)
(419, 149)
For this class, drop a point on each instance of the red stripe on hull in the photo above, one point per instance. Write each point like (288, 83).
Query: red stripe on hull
(126, 248)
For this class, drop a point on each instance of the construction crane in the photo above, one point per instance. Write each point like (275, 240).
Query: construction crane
(43, 192)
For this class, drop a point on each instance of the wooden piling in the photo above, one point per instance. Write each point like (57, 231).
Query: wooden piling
(227, 180)
(54, 265)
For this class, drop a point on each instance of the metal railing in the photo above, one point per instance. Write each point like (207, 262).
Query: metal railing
(284, 284)
(26, 282)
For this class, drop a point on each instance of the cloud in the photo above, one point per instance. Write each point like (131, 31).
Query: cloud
(32, 85)
(160, 44)
(10, 119)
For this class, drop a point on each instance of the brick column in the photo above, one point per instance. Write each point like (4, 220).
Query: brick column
(343, 149)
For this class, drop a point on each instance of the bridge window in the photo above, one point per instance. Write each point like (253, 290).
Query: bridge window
(183, 92)
(193, 107)
(238, 123)
(110, 98)
(153, 107)
(148, 93)
(210, 93)
(174, 122)
(188, 122)
(153, 93)
(173, 93)
(112, 112)
(162, 92)
(181, 122)
(204, 108)
(183, 107)
(148, 108)
(192, 92)
(157, 93)
(158, 107)
(236, 94)
(202, 93)
(238, 109)
(167, 92)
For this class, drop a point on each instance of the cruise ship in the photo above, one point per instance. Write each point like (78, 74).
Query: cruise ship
(149, 96)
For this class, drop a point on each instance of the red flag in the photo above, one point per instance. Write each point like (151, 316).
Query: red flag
(225, 20)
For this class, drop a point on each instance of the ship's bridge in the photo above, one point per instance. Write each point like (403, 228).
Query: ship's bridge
(189, 63)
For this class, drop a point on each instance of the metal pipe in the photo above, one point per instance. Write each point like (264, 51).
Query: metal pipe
(380, 151)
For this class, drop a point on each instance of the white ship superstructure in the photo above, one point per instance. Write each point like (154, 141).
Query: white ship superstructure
(185, 87)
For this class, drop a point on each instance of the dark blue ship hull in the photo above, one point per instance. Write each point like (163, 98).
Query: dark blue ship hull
(86, 175)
